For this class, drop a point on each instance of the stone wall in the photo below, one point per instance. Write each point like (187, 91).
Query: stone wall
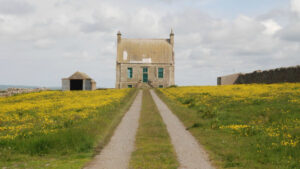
(87, 84)
(229, 79)
(14, 91)
(65, 84)
(93, 85)
(280, 75)
(123, 81)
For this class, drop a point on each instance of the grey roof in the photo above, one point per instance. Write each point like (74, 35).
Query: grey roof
(79, 75)
(158, 50)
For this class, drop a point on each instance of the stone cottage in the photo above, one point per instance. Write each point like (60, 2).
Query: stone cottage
(145, 62)
(78, 81)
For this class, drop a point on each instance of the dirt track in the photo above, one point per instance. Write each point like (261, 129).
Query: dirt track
(116, 154)
(189, 153)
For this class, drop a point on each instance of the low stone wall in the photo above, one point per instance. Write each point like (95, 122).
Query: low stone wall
(280, 75)
(229, 79)
(14, 91)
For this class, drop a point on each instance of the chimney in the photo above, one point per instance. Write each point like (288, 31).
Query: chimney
(119, 36)
(172, 37)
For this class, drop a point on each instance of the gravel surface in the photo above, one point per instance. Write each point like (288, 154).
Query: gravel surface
(116, 154)
(189, 153)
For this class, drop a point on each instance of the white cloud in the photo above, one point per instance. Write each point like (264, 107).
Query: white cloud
(295, 6)
(81, 56)
(61, 36)
(291, 32)
(271, 27)
(15, 7)
(44, 43)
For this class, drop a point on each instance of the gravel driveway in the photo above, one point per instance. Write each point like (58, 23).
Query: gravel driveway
(189, 153)
(116, 154)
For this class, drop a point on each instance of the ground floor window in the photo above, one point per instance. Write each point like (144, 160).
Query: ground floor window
(160, 72)
(129, 86)
(161, 86)
(145, 74)
(129, 72)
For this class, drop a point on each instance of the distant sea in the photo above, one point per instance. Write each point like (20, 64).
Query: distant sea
(3, 87)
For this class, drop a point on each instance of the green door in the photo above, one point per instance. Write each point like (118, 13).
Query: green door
(145, 75)
(145, 78)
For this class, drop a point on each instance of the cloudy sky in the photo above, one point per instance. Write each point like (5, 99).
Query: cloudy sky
(44, 41)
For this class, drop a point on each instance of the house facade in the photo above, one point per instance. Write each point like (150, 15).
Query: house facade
(145, 62)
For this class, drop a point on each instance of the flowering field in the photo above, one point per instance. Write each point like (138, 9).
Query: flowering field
(243, 126)
(57, 122)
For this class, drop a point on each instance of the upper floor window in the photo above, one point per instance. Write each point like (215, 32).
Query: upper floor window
(160, 72)
(125, 55)
(129, 72)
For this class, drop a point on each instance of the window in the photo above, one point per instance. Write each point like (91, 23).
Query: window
(160, 72)
(145, 74)
(125, 55)
(129, 72)
(129, 86)
(161, 86)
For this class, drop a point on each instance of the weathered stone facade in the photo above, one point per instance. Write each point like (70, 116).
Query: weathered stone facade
(145, 62)
(280, 75)
(78, 81)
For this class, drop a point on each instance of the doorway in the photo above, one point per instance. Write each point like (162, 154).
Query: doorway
(76, 84)
(145, 74)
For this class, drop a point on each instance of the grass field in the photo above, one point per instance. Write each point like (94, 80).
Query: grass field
(153, 145)
(242, 126)
(55, 129)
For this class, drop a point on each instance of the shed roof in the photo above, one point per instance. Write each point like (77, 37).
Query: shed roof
(79, 75)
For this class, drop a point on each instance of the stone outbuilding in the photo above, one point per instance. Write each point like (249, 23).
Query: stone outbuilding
(145, 62)
(78, 81)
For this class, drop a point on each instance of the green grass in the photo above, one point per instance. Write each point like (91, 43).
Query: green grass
(69, 148)
(50, 161)
(153, 145)
(251, 147)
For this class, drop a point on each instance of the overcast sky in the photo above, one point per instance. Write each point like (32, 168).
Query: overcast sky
(42, 41)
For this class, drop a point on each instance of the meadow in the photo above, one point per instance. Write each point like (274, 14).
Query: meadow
(242, 126)
(55, 129)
